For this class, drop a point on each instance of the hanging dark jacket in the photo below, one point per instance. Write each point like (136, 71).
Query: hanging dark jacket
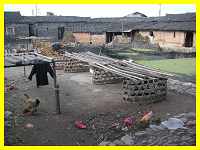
(41, 71)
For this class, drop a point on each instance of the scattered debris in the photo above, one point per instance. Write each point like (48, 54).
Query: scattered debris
(128, 140)
(10, 85)
(177, 134)
(115, 125)
(173, 123)
(128, 121)
(29, 125)
(125, 129)
(191, 123)
(104, 143)
(80, 125)
(181, 87)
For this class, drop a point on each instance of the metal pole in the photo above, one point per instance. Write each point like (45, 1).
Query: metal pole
(56, 87)
(159, 10)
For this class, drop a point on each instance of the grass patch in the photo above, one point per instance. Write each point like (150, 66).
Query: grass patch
(143, 50)
(185, 66)
(128, 54)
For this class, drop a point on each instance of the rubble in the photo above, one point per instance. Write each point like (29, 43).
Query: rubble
(181, 87)
(173, 123)
(160, 135)
(127, 140)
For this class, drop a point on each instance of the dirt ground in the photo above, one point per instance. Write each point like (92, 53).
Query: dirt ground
(97, 105)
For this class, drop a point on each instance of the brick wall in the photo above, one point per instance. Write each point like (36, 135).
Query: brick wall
(99, 39)
(166, 39)
(86, 38)
(82, 37)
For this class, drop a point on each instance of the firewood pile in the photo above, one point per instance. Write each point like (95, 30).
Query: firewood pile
(44, 46)
(140, 83)
(46, 50)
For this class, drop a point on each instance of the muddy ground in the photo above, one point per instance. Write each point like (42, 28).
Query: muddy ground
(97, 105)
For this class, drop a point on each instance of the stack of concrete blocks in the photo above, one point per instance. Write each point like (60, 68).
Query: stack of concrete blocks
(146, 91)
(74, 65)
(60, 64)
(101, 76)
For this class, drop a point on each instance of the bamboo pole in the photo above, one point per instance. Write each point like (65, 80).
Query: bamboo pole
(56, 87)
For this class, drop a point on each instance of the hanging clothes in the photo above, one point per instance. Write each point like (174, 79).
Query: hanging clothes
(41, 71)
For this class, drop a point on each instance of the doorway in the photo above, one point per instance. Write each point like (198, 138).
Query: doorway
(31, 30)
(189, 39)
(61, 31)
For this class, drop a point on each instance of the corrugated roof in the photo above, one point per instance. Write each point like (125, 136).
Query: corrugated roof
(24, 59)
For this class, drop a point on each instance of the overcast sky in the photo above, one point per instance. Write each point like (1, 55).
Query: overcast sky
(99, 10)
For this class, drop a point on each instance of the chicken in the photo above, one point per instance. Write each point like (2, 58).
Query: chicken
(31, 105)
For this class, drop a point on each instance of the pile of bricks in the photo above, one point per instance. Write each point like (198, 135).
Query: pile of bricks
(101, 76)
(151, 90)
(74, 65)
(60, 64)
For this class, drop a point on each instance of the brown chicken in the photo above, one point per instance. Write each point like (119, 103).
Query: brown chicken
(31, 105)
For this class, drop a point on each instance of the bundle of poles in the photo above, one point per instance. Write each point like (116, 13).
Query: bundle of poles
(139, 82)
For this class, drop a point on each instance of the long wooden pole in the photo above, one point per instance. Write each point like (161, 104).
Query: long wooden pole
(56, 87)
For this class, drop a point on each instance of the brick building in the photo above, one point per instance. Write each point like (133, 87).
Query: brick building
(173, 30)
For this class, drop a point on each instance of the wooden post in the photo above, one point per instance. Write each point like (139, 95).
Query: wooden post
(57, 99)
(24, 66)
(56, 87)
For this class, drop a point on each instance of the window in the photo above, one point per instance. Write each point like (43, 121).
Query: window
(174, 34)
(10, 31)
(151, 33)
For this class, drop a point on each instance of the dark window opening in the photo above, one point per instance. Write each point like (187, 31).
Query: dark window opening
(188, 39)
(151, 33)
(110, 36)
(174, 34)
(61, 31)
(47, 29)
(127, 34)
(31, 30)
(133, 35)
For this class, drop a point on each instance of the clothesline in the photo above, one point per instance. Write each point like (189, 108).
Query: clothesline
(25, 59)
(28, 59)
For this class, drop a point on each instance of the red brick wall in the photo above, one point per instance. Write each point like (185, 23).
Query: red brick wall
(86, 38)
